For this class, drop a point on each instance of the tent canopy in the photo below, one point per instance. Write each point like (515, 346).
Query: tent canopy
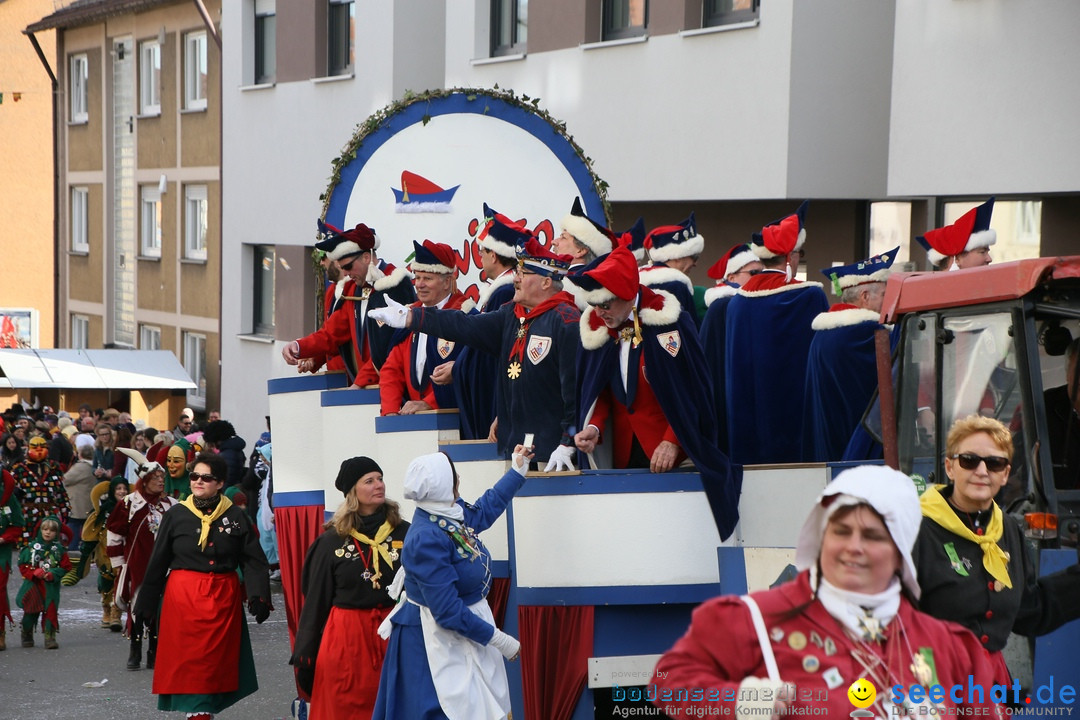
(94, 369)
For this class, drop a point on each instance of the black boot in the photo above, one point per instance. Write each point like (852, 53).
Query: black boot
(135, 657)
(151, 651)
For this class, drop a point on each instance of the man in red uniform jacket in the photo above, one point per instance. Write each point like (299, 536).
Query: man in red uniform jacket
(362, 343)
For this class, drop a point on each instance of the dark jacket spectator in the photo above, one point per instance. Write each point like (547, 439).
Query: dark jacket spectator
(221, 436)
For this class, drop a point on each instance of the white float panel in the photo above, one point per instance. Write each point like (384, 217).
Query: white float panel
(622, 670)
(298, 419)
(347, 431)
(774, 502)
(616, 540)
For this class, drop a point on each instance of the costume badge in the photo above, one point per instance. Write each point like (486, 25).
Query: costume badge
(538, 348)
(670, 341)
(832, 677)
(397, 543)
(810, 664)
(923, 667)
(444, 348)
(796, 641)
(777, 634)
(955, 561)
(340, 552)
(513, 370)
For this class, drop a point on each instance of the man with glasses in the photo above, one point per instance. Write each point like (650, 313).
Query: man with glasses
(350, 330)
(535, 340)
(642, 365)
(768, 333)
(673, 252)
(185, 425)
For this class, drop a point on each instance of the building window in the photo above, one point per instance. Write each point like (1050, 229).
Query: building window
(728, 12)
(80, 332)
(890, 226)
(509, 26)
(149, 337)
(265, 41)
(150, 221)
(195, 222)
(80, 73)
(340, 18)
(150, 78)
(195, 71)
(263, 287)
(195, 364)
(625, 18)
(80, 241)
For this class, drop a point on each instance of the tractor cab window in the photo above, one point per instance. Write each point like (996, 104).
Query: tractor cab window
(916, 389)
(1059, 350)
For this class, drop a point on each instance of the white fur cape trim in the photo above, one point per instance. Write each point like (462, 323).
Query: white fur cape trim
(596, 297)
(653, 275)
(765, 253)
(485, 292)
(467, 306)
(392, 280)
(499, 247)
(347, 247)
(782, 288)
(587, 234)
(719, 291)
(844, 318)
(691, 246)
(668, 314)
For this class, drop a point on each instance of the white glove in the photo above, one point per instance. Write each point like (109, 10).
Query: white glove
(394, 314)
(506, 644)
(562, 458)
(519, 463)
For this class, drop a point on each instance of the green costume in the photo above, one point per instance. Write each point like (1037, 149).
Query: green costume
(42, 564)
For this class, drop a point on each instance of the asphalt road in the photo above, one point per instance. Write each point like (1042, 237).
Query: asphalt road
(36, 684)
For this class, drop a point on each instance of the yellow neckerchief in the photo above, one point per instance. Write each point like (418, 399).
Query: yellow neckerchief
(381, 534)
(995, 560)
(223, 504)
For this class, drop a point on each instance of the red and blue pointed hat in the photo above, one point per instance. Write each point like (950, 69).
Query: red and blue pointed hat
(970, 231)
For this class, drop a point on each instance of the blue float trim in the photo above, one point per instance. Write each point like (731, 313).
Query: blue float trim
(306, 383)
(425, 421)
(357, 396)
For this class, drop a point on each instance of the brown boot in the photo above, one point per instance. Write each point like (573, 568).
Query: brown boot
(116, 619)
(27, 638)
(106, 615)
(3, 636)
(50, 641)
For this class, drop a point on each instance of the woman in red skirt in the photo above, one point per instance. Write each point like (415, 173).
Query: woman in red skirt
(339, 654)
(204, 661)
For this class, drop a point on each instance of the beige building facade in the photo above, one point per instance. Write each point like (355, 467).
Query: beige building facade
(27, 256)
(138, 110)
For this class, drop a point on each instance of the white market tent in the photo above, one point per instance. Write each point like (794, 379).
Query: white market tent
(93, 370)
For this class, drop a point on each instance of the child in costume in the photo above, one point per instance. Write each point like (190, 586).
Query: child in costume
(104, 497)
(42, 563)
(11, 525)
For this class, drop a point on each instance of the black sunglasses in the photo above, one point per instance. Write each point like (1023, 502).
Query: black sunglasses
(202, 478)
(348, 266)
(970, 461)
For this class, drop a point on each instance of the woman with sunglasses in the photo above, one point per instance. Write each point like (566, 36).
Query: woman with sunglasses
(205, 663)
(974, 567)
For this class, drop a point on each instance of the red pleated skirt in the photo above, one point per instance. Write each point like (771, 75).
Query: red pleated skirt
(349, 664)
(198, 648)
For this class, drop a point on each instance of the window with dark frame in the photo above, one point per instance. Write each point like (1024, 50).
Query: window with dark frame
(340, 18)
(265, 257)
(625, 18)
(265, 45)
(509, 27)
(728, 12)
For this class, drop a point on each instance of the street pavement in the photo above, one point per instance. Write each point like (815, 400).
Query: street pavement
(39, 684)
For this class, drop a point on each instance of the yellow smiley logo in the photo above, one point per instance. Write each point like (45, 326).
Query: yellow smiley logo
(862, 693)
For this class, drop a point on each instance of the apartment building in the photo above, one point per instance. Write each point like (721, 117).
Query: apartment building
(892, 117)
(138, 118)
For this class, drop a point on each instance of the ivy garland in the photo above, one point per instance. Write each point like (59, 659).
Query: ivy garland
(376, 120)
(529, 104)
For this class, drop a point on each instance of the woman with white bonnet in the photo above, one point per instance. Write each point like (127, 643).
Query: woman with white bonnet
(445, 656)
(848, 615)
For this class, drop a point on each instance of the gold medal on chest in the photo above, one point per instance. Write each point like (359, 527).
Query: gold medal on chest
(513, 370)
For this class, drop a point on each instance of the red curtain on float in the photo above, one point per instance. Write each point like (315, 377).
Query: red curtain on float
(497, 599)
(556, 644)
(297, 528)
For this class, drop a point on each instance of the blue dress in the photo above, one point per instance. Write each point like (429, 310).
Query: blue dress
(446, 579)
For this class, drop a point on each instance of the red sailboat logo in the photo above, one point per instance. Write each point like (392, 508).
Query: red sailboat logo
(418, 194)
